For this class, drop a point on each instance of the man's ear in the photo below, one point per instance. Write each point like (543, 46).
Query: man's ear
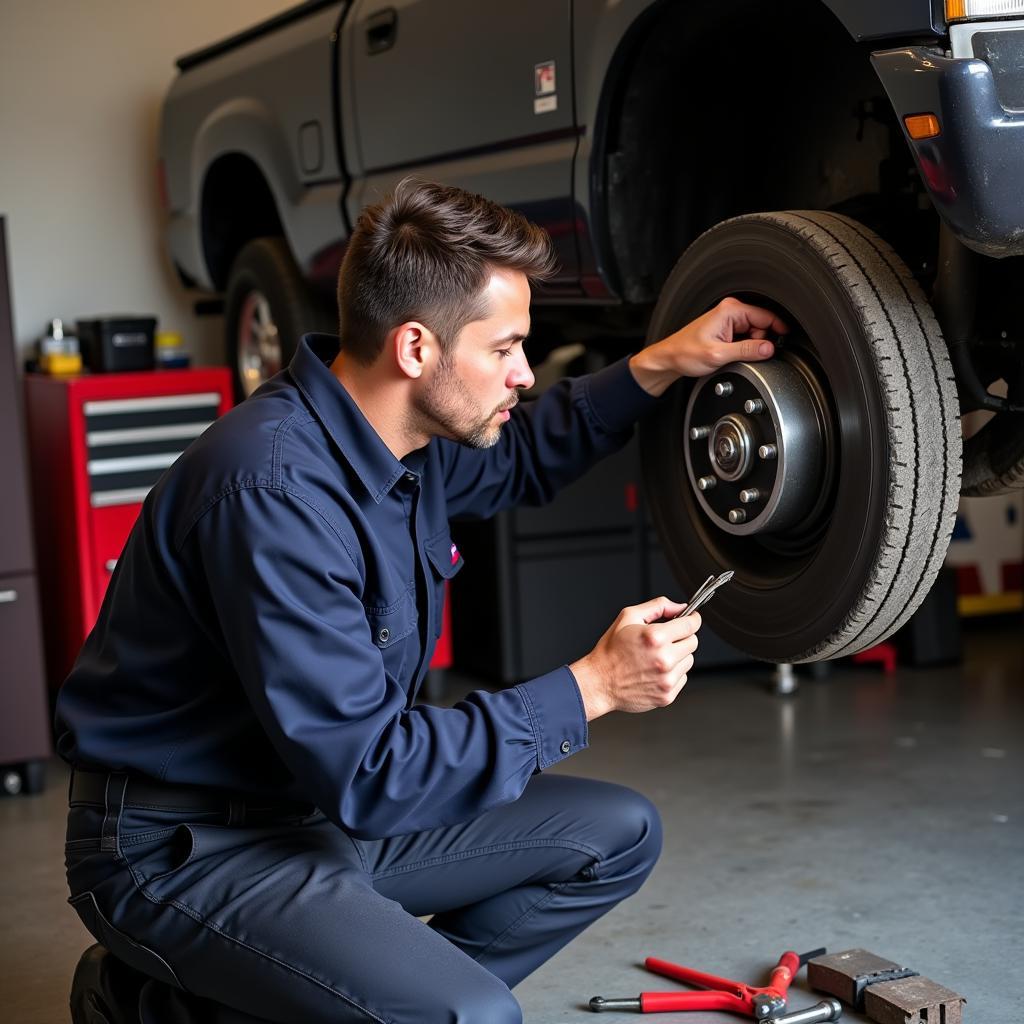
(415, 347)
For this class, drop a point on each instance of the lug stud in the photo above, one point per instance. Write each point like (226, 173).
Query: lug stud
(753, 405)
(705, 483)
(737, 515)
(699, 433)
(749, 495)
(767, 451)
(723, 389)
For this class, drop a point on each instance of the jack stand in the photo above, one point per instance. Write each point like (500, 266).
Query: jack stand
(784, 679)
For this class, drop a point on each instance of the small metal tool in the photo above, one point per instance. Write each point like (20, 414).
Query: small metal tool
(826, 1010)
(705, 592)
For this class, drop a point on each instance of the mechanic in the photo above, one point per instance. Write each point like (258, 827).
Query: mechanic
(261, 814)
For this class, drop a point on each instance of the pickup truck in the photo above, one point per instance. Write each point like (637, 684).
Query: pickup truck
(853, 164)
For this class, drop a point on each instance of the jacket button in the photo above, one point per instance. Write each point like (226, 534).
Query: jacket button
(384, 634)
(566, 746)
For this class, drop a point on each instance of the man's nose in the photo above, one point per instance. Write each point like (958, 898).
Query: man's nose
(520, 375)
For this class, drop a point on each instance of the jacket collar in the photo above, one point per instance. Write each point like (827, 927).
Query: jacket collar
(364, 450)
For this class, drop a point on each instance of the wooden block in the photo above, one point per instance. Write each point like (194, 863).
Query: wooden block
(914, 1000)
(847, 975)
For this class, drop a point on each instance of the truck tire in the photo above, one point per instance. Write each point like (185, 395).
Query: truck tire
(836, 533)
(268, 307)
(994, 457)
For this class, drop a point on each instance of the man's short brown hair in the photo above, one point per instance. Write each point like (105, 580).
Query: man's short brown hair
(426, 253)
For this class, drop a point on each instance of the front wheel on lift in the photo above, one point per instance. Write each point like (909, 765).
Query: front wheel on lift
(827, 477)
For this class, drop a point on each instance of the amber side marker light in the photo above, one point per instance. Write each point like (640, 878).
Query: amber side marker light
(956, 9)
(922, 126)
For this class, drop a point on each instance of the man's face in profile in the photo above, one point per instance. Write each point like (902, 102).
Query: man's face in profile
(477, 382)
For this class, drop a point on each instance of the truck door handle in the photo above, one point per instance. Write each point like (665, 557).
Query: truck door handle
(381, 30)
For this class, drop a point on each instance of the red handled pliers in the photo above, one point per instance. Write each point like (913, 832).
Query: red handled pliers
(762, 1004)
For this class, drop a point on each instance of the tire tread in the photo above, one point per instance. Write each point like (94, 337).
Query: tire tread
(916, 536)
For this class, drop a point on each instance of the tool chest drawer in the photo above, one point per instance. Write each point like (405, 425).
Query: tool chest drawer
(97, 445)
(129, 442)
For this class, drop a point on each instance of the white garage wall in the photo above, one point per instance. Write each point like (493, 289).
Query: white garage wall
(81, 82)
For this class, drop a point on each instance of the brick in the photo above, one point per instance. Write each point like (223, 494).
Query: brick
(847, 975)
(914, 1000)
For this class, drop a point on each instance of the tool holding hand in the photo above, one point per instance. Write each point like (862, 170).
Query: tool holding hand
(766, 1003)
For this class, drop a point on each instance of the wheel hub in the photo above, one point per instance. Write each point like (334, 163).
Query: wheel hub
(754, 446)
(731, 447)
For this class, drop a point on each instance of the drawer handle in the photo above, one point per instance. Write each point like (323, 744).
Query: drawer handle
(8, 596)
(110, 564)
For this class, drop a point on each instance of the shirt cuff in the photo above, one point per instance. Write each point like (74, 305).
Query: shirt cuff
(557, 715)
(615, 398)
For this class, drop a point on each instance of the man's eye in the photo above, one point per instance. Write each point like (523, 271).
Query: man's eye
(504, 352)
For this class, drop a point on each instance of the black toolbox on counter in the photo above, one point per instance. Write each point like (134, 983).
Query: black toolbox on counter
(117, 344)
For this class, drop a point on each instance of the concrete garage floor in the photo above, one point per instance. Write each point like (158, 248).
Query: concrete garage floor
(885, 812)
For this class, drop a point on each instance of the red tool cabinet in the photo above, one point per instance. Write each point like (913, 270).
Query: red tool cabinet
(97, 445)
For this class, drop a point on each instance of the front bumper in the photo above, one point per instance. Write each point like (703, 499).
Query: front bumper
(974, 168)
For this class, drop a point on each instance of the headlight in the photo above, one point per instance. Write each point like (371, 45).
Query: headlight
(958, 10)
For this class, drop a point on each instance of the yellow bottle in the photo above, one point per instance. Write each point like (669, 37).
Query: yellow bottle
(59, 354)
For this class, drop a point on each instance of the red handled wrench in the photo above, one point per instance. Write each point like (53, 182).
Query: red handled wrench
(765, 1003)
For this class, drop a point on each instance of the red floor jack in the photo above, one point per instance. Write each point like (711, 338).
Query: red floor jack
(767, 1004)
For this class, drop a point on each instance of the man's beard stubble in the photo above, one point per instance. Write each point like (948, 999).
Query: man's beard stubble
(447, 409)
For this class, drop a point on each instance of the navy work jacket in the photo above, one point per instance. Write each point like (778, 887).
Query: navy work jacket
(274, 610)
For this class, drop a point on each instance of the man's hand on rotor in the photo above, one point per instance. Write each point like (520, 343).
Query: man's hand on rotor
(732, 331)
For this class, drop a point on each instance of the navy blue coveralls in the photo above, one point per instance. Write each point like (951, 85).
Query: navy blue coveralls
(260, 813)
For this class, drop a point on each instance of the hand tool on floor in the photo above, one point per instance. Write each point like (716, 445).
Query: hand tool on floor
(826, 1010)
(705, 592)
(766, 1003)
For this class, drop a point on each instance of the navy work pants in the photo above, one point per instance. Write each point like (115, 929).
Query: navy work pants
(294, 920)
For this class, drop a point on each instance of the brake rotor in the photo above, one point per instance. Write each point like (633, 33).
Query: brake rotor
(754, 447)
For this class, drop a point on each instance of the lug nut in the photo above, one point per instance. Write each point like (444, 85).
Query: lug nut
(705, 483)
(767, 451)
(737, 515)
(723, 389)
(749, 495)
(753, 405)
(698, 433)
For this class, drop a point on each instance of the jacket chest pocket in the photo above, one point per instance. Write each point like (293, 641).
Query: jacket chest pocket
(392, 629)
(445, 561)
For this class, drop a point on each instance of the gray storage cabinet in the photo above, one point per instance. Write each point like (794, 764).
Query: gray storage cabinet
(24, 714)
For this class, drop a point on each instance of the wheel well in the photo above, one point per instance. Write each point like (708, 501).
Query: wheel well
(237, 206)
(718, 110)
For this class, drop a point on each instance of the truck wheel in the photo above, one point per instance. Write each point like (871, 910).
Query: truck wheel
(826, 477)
(268, 307)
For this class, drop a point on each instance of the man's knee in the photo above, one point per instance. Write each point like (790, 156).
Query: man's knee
(634, 833)
(487, 998)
